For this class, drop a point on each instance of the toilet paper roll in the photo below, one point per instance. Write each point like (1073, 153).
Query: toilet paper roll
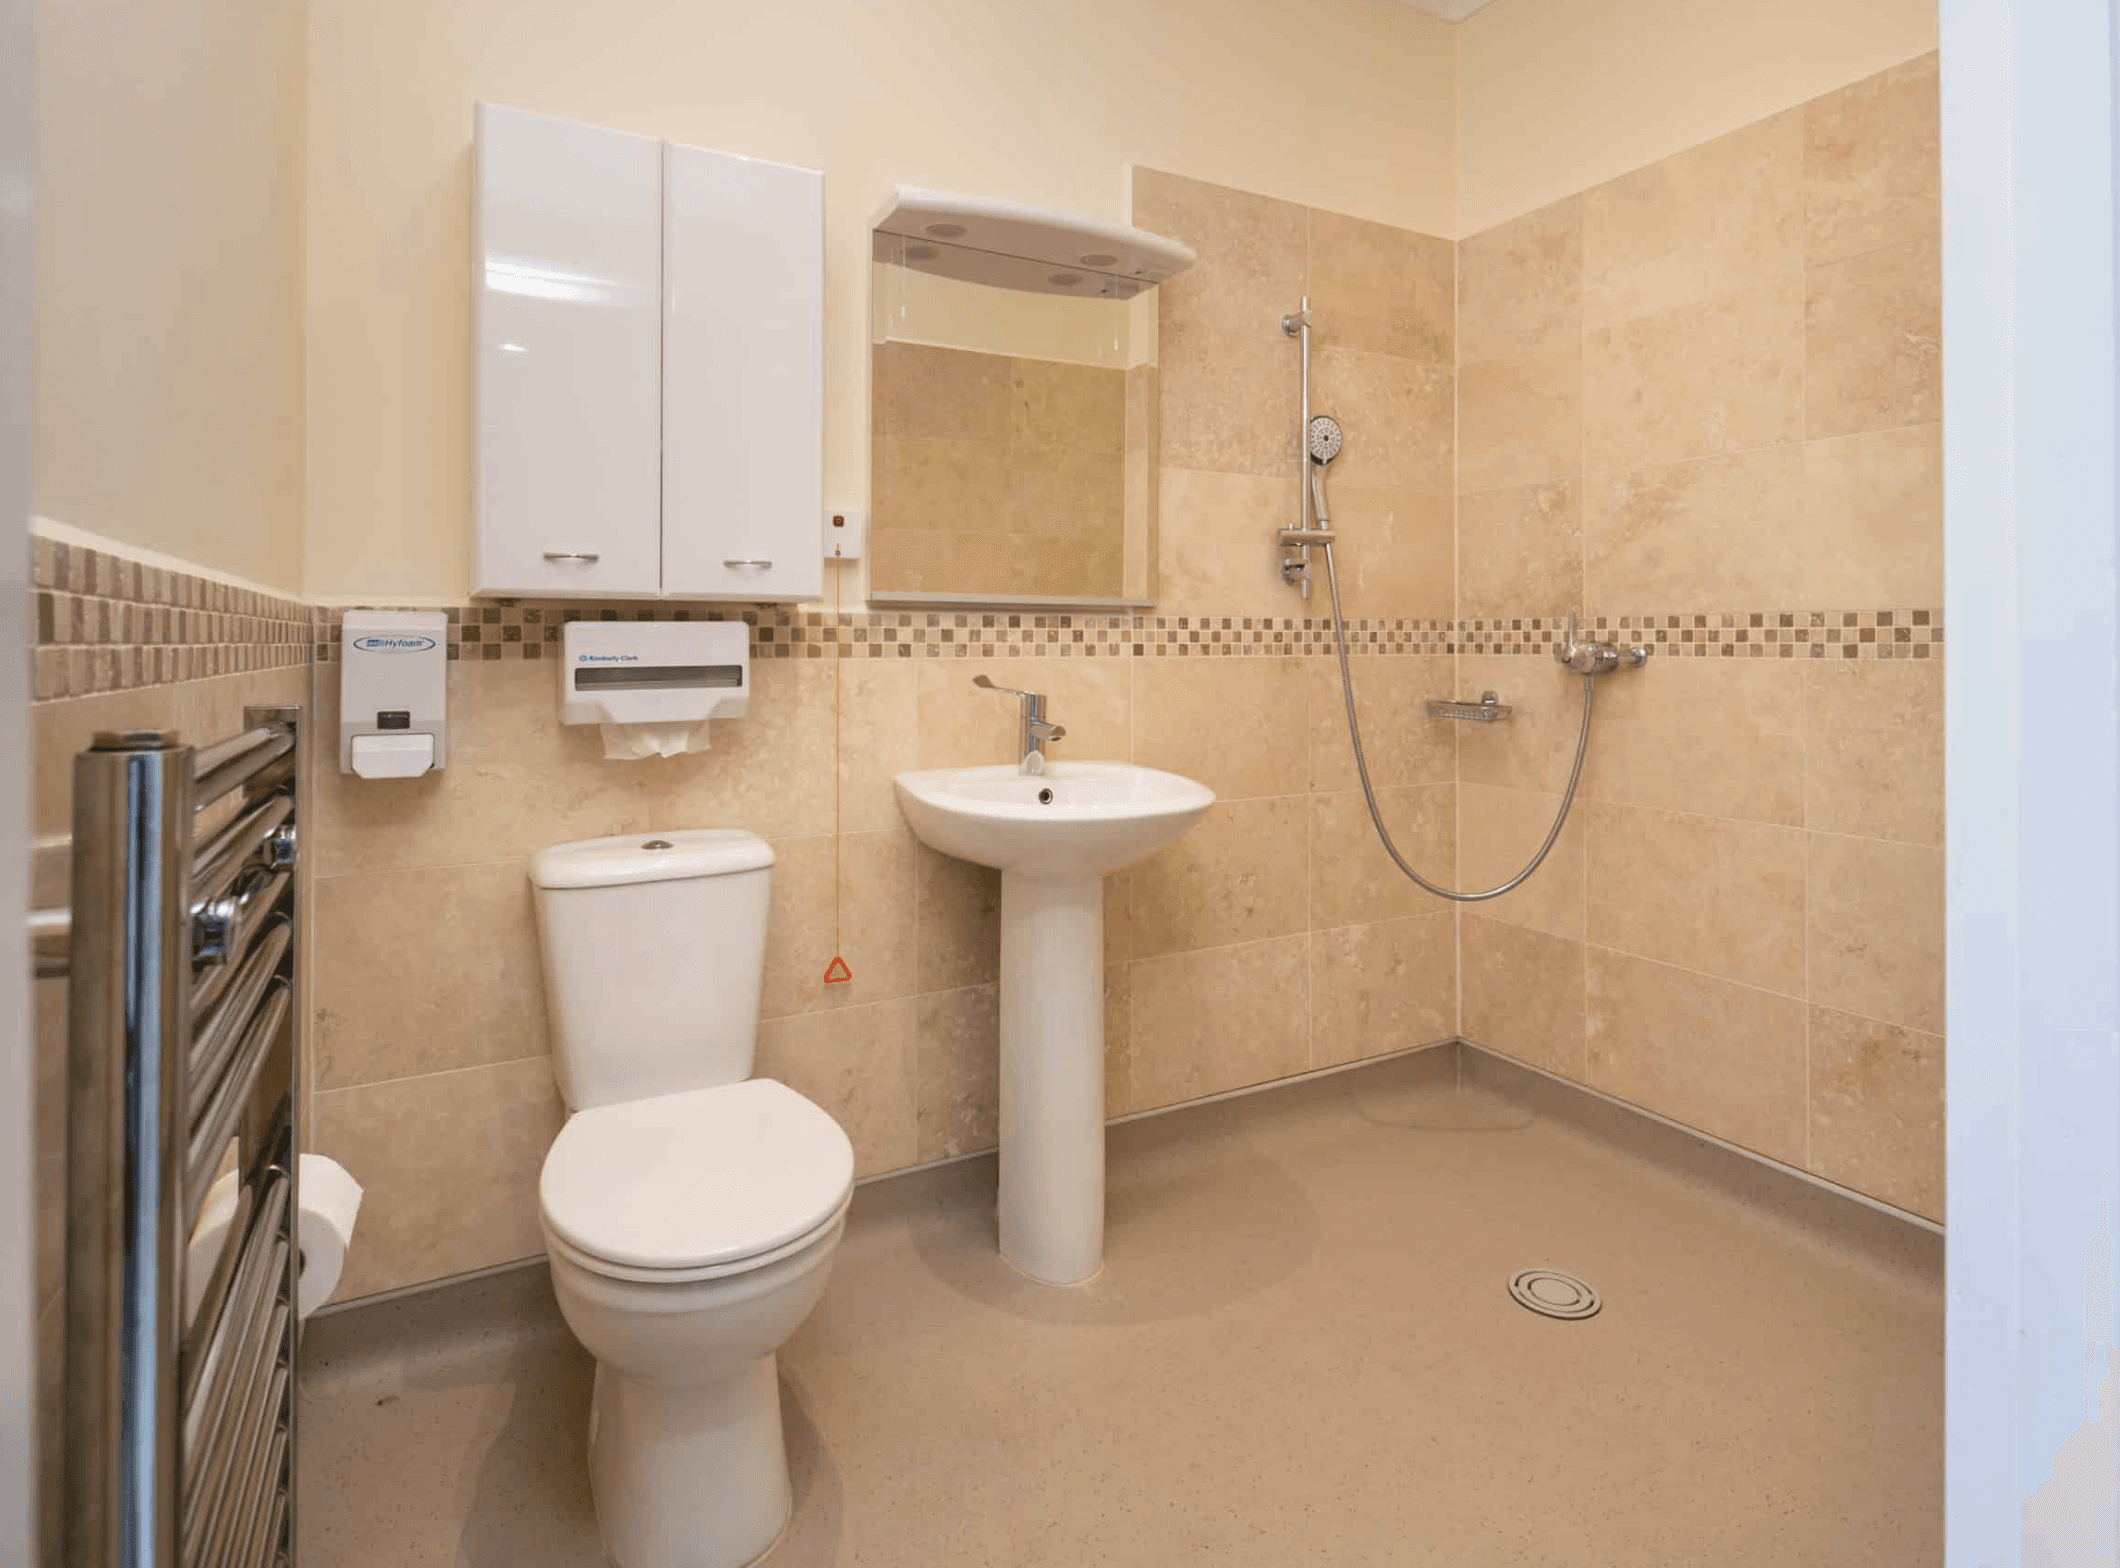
(331, 1199)
(630, 742)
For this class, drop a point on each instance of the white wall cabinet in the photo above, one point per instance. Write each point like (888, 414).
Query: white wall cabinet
(648, 365)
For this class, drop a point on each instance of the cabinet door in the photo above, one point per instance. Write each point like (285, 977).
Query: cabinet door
(743, 378)
(567, 335)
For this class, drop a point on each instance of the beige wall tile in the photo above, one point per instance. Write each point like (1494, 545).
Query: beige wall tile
(1238, 876)
(953, 561)
(1214, 549)
(1397, 416)
(1067, 494)
(879, 738)
(1715, 377)
(771, 771)
(1697, 225)
(1534, 747)
(1714, 533)
(424, 970)
(1871, 162)
(449, 1163)
(1520, 551)
(1220, 1019)
(1873, 520)
(1230, 399)
(1522, 993)
(924, 485)
(1873, 748)
(1352, 879)
(1873, 338)
(1253, 251)
(859, 1066)
(1118, 918)
(61, 730)
(1382, 987)
(1499, 830)
(1396, 553)
(942, 393)
(851, 897)
(1520, 283)
(958, 1092)
(1520, 418)
(49, 1023)
(1081, 407)
(1720, 737)
(1876, 929)
(1118, 1039)
(1401, 743)
(1380, 289)
(962, 725)
(1721, 1057)
(1726, 898)
(959, 922)
(1877, 1110)
(1239, 726)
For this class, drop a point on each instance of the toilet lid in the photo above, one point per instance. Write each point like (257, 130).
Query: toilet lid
(709, 1176)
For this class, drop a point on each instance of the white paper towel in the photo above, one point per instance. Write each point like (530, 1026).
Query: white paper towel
(331, 1198)
(631, 742)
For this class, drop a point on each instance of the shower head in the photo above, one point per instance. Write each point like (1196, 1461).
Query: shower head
(1323, 439)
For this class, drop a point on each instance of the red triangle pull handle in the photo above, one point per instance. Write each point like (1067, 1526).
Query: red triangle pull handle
(836, 972)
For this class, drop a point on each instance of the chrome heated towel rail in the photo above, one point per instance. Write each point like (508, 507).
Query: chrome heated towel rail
(180, 955)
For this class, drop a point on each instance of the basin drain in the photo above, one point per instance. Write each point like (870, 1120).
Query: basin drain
(1550, 1293)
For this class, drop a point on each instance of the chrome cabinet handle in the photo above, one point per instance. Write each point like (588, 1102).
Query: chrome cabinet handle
(572, 555)
(761, 565)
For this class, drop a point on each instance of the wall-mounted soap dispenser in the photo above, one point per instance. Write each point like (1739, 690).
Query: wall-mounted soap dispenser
(652, 685)
(393, 693)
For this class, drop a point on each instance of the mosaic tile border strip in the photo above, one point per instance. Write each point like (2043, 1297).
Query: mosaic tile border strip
(105, 623)
(1730, 634)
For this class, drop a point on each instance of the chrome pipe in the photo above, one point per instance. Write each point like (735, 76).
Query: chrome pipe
(222, 1027)
(217, 1123)
(1297, 325)
(225, 852)
(234, 762)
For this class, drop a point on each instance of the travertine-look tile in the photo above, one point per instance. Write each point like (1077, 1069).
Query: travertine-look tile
(1238, 876)
(1395, 557)
(953, 561)
(1520, 283)
(939, 393)
(1872, 165)
(1118, 1039)
(1534, 747)
(1230, 403)
(1520, 551)
(1722, 897)
(924, 484)
(879, 738)
(1876, 929)
(962, 725)
(958, 1091)
(1075, 499)
(1499, 830)
(423, 970)
(858, 1065)
(959, 922)
(1873, 748)
(1215, 552)
(1400, 742)
(850, 897)
(1522, 993)
(449, 1165)
(1719, 376)
(61, 730)
(1696, 226)
(1080, 407)
(1236, 725)
(1713, 533)
(1877, 1109)
(1382, 987)
(770, 771)
(1219, 1019)
(1873, 338)
(1872, 519)
(1718, 737)
(1720, 1057)
(1380, 289)
(1252, 252)
(49, 1138)
(1396, 416)
(1352, 879)
(1520, 418)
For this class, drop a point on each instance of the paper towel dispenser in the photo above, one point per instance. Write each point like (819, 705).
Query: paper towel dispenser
(653, 672)
(393, 693)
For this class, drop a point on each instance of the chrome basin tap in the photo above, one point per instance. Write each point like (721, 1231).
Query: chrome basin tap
(1033, 731)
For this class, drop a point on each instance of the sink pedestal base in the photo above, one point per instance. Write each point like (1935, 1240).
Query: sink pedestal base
(1052, 1077)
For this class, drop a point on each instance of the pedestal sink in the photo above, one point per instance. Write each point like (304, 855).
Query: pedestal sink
(1054, 837)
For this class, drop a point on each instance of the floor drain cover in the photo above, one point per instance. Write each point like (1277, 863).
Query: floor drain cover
(1553, 1294)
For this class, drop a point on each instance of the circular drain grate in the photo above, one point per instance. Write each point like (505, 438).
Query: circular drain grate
(1550, 1293)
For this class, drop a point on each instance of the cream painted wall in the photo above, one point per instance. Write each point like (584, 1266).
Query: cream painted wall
(1557, 95)
(168, 317)
(1343, 104)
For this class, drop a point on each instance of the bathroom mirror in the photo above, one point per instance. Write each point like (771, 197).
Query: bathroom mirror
(1013, 400)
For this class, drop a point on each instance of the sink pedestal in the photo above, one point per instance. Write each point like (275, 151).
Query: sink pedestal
(1052, 1076)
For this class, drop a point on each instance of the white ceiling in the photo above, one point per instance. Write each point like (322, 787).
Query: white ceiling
(1448, 10)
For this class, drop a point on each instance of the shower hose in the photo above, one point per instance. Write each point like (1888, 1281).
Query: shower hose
(1361, 764)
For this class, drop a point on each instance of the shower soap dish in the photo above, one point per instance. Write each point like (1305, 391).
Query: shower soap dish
(1485, 711)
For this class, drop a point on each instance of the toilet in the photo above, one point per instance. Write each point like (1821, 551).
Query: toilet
(690, 1211)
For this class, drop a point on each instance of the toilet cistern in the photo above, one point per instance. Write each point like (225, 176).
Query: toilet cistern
(1032, 730)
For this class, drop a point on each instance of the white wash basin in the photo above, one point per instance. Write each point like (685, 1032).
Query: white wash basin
(1075, 820)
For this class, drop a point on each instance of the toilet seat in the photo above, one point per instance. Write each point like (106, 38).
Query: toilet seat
(695, 1185)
